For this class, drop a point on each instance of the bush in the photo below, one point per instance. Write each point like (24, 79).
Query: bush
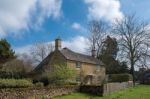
(120, 77)
(58, 77)
(15, 83)
(8, 75)
(44, 80)
(15, 69)
(39, 84)
(72, 83)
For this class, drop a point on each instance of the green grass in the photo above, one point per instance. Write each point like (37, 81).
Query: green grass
(138, 92)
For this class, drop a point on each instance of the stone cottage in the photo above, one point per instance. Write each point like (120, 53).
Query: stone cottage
(89, 70)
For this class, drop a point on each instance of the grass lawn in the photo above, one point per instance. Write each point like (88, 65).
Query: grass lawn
(138, 92)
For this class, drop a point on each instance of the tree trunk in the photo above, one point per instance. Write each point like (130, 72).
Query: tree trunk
(132, 72)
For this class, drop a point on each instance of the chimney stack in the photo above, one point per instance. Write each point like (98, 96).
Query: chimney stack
(94, 52)
(58, 44)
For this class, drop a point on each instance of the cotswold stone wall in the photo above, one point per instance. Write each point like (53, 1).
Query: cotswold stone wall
(35, 93)
(113, 87)
(106, 89)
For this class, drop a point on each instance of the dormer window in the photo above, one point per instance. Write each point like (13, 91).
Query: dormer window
(78, 65)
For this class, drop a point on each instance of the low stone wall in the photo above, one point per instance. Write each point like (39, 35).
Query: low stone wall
(113, 87)
(35, 93)
(106, 89)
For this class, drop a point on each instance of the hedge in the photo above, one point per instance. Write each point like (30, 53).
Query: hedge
(15, 83)
(8, 75)
(39, 84)
(120, 77)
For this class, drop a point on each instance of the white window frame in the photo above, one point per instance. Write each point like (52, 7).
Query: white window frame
(78, 64)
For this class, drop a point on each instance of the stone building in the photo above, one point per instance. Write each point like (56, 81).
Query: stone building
(89, 69)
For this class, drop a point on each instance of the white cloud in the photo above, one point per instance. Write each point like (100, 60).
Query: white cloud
(77, 26)
(49, 8)
(107, 9)
(78, 44)
(24, 49)
(16, 15)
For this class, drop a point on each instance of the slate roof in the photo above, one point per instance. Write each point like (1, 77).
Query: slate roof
(70, 55)
(44, 62)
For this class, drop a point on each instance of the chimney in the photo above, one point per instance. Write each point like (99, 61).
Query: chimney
(94, 52)
(58, 44)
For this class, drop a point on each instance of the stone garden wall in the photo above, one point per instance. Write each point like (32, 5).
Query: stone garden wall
(113, 87)
(106, 89)
(38, 92)
(35, 93)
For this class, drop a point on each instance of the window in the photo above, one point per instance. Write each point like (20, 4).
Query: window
(97, 67)
(78, 78)
(78, 65)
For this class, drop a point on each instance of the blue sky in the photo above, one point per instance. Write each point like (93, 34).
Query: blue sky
(25, 22)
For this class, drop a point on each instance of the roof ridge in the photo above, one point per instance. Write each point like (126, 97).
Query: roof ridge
(77, 52)
(71, 55)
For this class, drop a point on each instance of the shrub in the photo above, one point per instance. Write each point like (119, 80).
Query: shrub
(39, 84)
(44, 80)
(59, 76)
(9, 75)
(15, 83)
(120, 77)
(72, 83)
(15, 69)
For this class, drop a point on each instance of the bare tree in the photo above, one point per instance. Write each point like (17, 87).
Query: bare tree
(134, 40)
(98, 32)
(16, 68)
(27, 61)
(40, 50)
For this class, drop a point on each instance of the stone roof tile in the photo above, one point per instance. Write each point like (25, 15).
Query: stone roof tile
(70, 55)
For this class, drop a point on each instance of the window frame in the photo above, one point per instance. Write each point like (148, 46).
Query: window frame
(98, 67)
(78, 64)
(78, 78)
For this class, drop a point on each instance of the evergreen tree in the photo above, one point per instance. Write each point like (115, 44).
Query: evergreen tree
(110, 47)
(108, 57)
(123, 67)
(6, 53)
